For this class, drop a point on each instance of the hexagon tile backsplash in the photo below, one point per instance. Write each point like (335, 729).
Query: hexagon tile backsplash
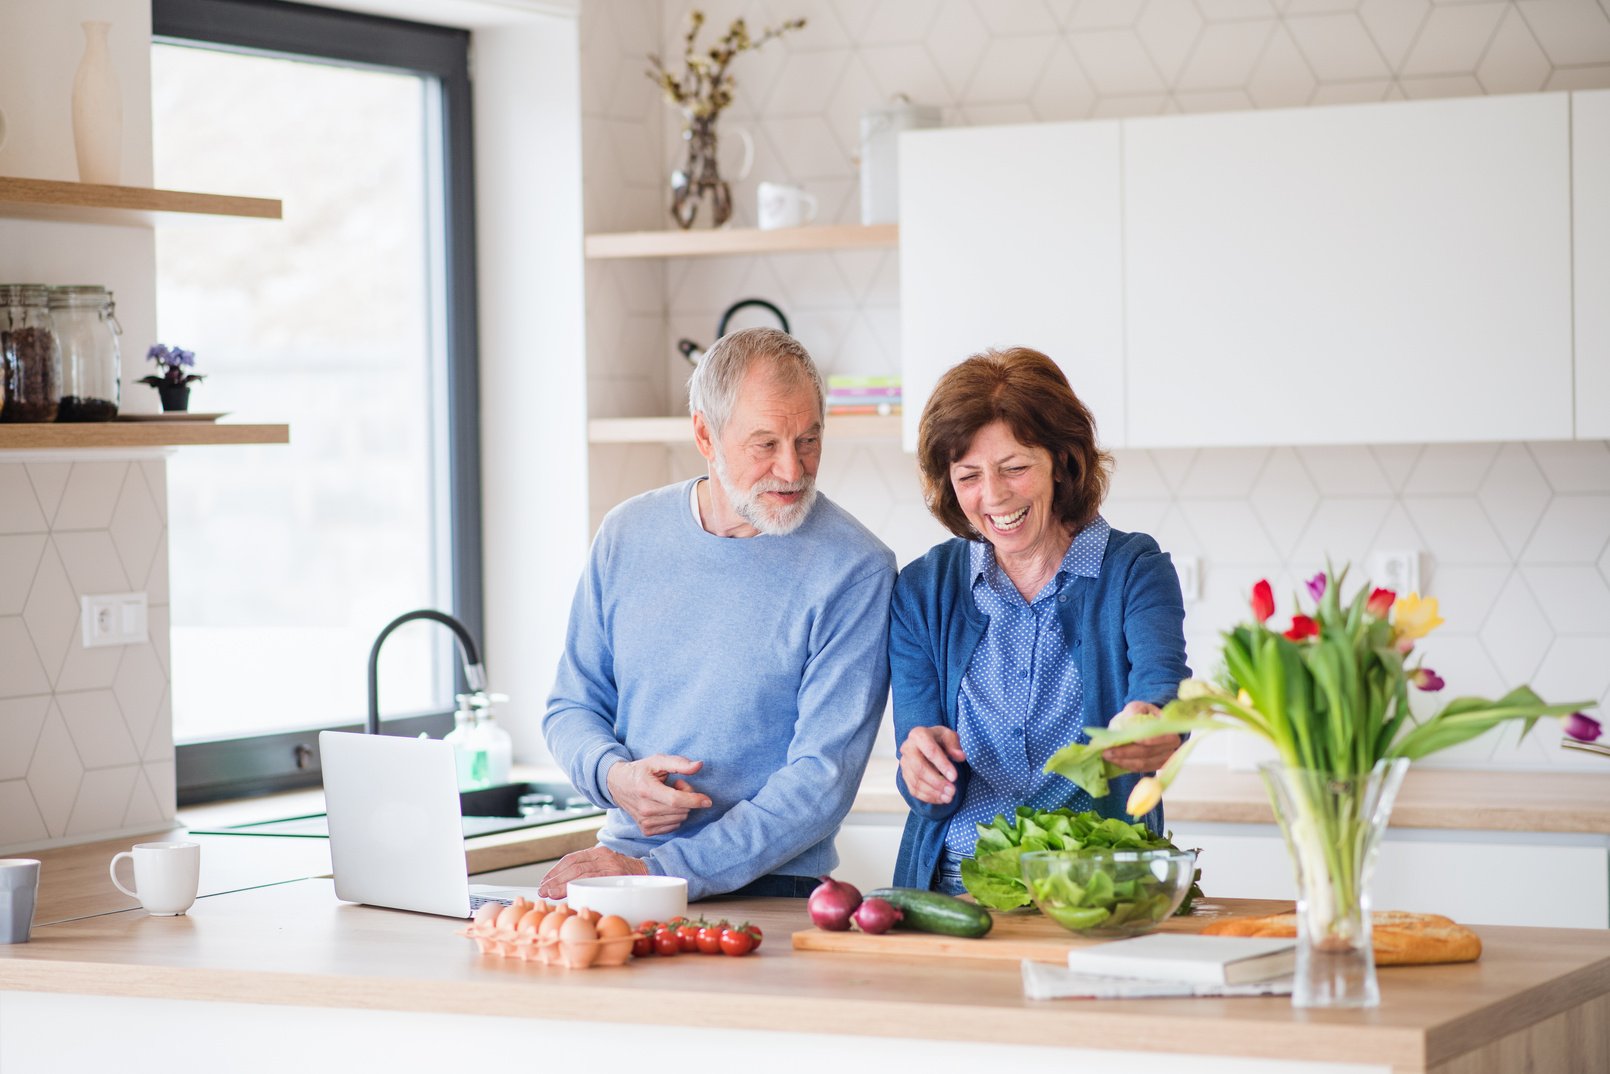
(1515, 537)
(86, 739)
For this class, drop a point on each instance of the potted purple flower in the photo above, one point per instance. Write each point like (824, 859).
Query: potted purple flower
(173, 383)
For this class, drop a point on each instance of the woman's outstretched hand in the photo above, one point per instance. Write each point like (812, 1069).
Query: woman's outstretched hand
(1147, 755)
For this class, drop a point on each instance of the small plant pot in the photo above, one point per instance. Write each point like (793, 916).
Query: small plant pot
(174, 397)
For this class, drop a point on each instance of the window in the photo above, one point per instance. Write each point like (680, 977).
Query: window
(353, 320)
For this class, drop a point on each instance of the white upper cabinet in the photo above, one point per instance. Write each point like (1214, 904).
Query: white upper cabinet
(1010, 236)
(1368, 273)
(1590, 162)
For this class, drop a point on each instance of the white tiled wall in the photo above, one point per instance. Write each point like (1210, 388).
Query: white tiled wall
(1515, 536)
(86, 742)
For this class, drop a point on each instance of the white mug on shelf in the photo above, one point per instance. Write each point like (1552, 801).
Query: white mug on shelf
(785, 206)
(166, 876)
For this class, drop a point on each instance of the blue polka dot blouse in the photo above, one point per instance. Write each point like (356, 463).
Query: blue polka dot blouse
(1022, 697)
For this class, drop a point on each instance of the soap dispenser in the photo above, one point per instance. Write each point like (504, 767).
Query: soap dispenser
(483, 750)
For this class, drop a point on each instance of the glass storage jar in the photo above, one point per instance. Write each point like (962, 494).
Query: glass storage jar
(30, 361)
(85, 319)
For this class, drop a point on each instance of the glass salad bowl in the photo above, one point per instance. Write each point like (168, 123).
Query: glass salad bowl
(1108, 892)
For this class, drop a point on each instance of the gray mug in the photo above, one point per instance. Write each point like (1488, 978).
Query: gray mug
(19, 886)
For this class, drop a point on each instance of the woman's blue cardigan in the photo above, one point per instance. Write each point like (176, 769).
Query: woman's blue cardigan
(1125, 627)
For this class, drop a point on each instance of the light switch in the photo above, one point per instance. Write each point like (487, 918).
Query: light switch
(1189, 569)
(1397, 570)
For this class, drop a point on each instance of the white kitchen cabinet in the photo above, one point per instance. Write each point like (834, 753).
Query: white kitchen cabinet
(867, 845)
(1475, 877)
(1590, 219)
(1351, 274)
(1011, 236)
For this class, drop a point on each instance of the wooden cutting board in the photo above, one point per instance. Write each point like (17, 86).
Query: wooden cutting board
(1017, 935)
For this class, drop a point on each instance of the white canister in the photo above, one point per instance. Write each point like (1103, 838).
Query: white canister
(880, 155)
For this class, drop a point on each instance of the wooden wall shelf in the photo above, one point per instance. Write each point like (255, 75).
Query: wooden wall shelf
(741, 241)
(679, 430)
(91, 203)
(137, 434)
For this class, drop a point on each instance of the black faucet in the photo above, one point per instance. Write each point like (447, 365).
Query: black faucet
(474, 674)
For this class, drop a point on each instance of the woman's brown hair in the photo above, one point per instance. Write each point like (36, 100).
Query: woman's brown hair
(1029, 393)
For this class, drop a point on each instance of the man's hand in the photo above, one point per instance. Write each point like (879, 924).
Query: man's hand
(926, 763)
(594, 861)
(639, 787)
(1147, 755)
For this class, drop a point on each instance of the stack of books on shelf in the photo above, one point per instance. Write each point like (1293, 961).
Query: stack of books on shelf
(863, 395)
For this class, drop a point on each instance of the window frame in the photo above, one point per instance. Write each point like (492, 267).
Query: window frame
(263, 764)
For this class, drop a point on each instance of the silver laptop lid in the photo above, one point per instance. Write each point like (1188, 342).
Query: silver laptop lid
(395, 835)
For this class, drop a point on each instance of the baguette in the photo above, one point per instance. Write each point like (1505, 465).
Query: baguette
(1400, 938)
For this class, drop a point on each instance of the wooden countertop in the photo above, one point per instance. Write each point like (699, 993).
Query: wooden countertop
(1430, 798)
(295, 944)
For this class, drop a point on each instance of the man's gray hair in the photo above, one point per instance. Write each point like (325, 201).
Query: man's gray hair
(713, 388)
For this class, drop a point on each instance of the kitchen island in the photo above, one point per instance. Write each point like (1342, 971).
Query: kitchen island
(285, 974)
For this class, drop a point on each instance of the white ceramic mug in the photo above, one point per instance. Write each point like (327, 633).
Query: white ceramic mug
(785, 206)
(166, 876)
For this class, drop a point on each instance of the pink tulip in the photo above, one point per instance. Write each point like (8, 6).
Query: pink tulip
(1316, 585)
(1380, 602)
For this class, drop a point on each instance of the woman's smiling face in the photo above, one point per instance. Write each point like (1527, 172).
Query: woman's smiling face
(1005, 489)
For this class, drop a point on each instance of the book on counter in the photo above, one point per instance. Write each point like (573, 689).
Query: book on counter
(1042, 981)
(1188, 959)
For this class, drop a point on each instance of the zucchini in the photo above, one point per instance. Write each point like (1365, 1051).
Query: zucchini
(931, 911)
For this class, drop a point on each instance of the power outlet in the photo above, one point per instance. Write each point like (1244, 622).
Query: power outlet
(1189, 568)
(1397, 570)
(114, 619)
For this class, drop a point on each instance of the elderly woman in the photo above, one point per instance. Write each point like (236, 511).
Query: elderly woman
(1038, 622)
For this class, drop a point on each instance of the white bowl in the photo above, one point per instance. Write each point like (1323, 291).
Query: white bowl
(636, 898)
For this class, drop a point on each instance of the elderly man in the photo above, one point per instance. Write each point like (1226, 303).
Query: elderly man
(725, 669)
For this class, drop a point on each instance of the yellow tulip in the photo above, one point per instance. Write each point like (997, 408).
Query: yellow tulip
(1192, 689)
(1413, 617)
(1147, 793)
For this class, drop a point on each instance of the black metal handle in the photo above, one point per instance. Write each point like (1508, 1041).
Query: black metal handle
(782, 319)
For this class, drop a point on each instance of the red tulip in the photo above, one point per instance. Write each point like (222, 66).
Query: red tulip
(1302, 627)
(1380, 603)
(1263, 601)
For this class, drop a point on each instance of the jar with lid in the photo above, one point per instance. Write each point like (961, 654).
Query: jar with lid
(484, 751)
(30, 361)
(85, 319)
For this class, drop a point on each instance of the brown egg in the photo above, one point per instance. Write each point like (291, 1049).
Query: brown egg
(508, 918)
(485, 918)
(615, 938)
(548, 935)
(578, 943)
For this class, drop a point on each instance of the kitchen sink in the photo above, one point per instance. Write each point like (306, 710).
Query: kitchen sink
(505, 808)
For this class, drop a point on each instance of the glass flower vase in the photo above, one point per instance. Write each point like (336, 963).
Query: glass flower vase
(698, 181)
(1333, 823)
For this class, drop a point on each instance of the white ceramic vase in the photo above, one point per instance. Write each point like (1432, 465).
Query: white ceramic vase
(97, 111)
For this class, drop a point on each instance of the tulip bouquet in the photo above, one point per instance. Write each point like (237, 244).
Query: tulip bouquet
(1330, 692)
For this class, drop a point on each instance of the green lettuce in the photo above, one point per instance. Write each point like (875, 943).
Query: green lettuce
(992, 875)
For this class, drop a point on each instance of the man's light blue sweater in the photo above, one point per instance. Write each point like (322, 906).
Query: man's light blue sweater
(764, 657)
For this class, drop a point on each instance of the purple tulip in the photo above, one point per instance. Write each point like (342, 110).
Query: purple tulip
(1316, 585)
(1582, 727)
(1425, 679)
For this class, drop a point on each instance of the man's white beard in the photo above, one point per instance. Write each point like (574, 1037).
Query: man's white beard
(776, 521)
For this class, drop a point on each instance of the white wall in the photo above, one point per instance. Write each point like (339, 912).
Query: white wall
(1516, 536)
(86, 745)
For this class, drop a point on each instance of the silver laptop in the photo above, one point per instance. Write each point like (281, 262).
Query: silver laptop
(396, 839)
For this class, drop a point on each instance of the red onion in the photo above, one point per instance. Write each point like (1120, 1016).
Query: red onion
(876, 916)
(832, 903)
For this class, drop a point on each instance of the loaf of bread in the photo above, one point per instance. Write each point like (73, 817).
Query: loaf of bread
(1400, 938)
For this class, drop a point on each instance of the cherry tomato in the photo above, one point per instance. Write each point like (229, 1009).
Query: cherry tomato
(754, 931)
(647, 928)
(666, 943)
(736, 942)
(642, 945)
(710, 940)
(675, 921)
(687, 935)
